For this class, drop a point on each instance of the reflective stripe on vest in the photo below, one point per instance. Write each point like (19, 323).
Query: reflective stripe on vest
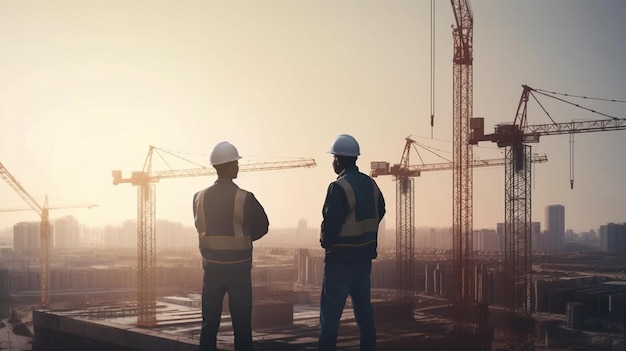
(223, 242)
(351, 227)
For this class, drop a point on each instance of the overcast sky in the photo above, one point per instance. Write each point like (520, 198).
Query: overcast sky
(87, 86)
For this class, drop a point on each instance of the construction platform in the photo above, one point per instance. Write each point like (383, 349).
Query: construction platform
(293, 327)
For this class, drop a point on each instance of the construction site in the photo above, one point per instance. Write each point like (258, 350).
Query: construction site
(424, 299)
(95, 309)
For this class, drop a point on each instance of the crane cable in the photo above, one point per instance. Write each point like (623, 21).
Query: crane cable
(432, 67)
(580, 96)
(571, 135)
(571, 161)
(577, 105)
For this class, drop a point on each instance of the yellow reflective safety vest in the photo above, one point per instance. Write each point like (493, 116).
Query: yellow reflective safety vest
(224, 248)
(352, 211)
(351, 226)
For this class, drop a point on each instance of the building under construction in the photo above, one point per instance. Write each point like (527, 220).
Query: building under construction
(278, 325)
(97, 311)
(94, 306)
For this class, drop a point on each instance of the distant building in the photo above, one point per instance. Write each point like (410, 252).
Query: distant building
(124, 236)
(589, 236)
(613, 238)
(5, 251)
(555, 227)
(6, 236)
(91, 237)
(500, 235)
(66, 233)
(590, 239)
(173, 235)
(386, 236)
(535, 236)
(299, 237)
(26, 238)
(302, 224)
(433, 238)
(486, 240)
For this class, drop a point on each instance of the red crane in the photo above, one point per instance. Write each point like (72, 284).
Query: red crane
(403, 173)
(515, 138)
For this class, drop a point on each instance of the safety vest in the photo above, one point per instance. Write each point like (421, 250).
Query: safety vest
(239, 241)
(353, 228)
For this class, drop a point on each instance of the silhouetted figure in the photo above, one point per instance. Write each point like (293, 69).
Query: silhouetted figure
(228, 219)
(352, 211)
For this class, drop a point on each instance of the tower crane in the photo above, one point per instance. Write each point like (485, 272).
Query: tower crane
(462, 182)
(146, 219)
(43, 211)
(405, 210)
(515, 138)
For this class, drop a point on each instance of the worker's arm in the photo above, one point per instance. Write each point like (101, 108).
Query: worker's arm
(255, 221)
(195, 217)
(334, 215)
(381, 206)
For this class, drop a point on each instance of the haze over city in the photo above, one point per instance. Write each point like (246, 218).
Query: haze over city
(87, 86)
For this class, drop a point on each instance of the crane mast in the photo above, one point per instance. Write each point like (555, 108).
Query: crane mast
(462, 182)
(146, 220)
(405, 228)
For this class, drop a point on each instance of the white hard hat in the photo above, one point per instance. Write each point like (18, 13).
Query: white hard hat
(345, 145)
(224, 152)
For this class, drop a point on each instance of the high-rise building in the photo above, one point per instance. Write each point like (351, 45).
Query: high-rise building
(500, 235)
(555, 227)
(486, 240)
(27, 238)
(613, 237)
(66, 233)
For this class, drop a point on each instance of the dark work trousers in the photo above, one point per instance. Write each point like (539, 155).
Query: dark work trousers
(239, 287)
(341, 280)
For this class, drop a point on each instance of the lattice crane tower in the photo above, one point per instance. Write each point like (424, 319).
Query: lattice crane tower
(462, 182)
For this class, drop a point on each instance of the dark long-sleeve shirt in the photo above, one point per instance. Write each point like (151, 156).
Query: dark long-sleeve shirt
(369, 204)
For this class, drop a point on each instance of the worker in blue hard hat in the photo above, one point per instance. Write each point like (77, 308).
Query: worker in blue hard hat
(228, 219)
(352, 211)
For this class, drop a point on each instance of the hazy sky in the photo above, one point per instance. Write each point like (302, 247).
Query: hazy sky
(87, 86)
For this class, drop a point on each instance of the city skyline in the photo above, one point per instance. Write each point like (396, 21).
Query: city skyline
(550, 237)
(386, 223)
(88, 87)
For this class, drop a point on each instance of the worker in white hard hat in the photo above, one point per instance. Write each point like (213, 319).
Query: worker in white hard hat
(352, 211)
(228, 219)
